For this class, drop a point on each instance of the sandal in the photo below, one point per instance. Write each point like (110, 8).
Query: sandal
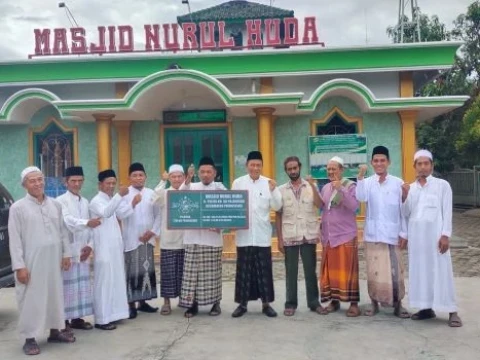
(108, 326)
(289, 312)
(401, 313)
(424, 315)
(454, 321)
(371, 311)
(31, 348)
(166, 309)
(216, 310)
(61, 337)
(353, 311)
(191, 312)
(334, 306)
(80, 324)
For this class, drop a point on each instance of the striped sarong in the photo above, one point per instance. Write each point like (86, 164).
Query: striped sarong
(140, 273)
(385, 273)
(202, 275)
(171, 272)
(77, 291)
(339, 278)
(254, 276)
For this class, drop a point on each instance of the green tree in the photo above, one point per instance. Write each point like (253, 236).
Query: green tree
(467, 28)
(431, 29)
(468, 142)
(453, 137)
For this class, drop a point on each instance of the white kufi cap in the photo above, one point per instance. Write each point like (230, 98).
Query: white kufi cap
(175, 168)
(423, 153)
(29, 170)
(337, 159)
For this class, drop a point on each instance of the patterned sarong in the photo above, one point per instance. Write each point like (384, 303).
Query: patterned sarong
(171, 272)
(202, 275)
(385, 273)
(140, 273)
(77, 291)
(254, 277)
(339, 278)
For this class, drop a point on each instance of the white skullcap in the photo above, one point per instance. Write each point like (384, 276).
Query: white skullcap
(175, 168)
(423, 153)
(29, 170)
(337, 159)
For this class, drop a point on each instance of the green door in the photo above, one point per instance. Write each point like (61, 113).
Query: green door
(187, 146)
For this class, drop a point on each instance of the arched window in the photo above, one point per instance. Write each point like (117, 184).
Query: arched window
(335, 122)
(53, 150)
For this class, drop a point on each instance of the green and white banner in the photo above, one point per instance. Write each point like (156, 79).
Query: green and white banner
(352, 148)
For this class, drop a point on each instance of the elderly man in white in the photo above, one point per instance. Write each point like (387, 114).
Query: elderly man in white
(428, 227)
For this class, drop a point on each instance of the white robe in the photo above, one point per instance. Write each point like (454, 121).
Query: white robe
(428, 211)
(145, 216)
(76, 216)
(38, 242)
(110, 290)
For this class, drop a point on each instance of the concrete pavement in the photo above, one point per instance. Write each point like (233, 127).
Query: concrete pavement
(302, 337)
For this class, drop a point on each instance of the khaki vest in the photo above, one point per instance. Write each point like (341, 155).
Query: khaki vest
(299, 218)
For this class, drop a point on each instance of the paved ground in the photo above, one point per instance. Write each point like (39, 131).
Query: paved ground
(306, 336)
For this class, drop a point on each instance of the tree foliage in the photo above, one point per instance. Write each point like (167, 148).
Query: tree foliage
(454, 137)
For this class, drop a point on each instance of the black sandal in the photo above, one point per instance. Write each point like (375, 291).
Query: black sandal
(216, 310)
(191, 312)
(61, 337)
(80, 324)
(108, 326)
(424, 315)
(31, 347)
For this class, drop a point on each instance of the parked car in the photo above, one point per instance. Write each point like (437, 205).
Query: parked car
(6, 273)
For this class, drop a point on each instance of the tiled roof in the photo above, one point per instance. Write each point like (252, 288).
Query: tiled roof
(236, 10)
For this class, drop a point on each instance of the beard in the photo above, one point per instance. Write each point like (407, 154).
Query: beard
(294, 176)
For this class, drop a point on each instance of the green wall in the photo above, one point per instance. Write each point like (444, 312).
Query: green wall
(245, 139)
(381, 129)
(145, 141)
(291, 134)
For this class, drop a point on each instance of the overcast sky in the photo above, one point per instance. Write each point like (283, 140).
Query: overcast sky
(339, 22)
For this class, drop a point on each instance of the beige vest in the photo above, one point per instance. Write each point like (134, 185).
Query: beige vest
(299, 218)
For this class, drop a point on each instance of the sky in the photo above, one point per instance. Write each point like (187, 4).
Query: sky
(339, 22)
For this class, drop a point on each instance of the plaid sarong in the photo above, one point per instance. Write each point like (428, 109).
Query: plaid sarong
(339, 279)
(254, 276)
(171, 272)
(385, 273)
(77, 291)
(202, 275)
(140, 273)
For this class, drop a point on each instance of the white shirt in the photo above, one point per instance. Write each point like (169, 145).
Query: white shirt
(260, 201)
(383, 222)
(145, 216)
(76, 215)
(169, 239)
(203, 237)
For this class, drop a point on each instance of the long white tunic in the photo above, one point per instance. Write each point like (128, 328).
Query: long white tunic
(383, 222)
(260, 201)
(203, 237)
(145, 216)
(110, 290)
(76, 215)
(169, 239)
(38, 242)
(428, 211)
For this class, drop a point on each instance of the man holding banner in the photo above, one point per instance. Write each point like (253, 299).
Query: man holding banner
(202, 273)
